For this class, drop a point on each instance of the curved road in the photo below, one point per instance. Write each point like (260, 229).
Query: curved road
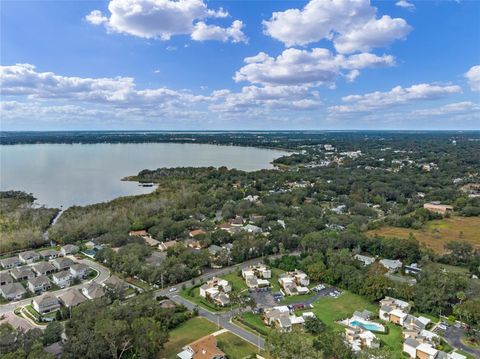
(103, 274)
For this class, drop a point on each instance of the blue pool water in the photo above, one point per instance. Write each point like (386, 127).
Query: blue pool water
(367, 326)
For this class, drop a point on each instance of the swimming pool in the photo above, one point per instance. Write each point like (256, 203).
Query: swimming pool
(369, 326)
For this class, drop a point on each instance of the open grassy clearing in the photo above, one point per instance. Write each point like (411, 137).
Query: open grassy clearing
(186, 333)
(437, 233)
(236, 281)
(235, 347)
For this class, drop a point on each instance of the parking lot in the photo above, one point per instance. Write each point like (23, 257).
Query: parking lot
(265, 298)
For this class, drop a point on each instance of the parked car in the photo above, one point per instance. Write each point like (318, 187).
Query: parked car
(171, 290)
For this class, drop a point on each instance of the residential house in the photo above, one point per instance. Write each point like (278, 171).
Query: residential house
(62, 263)
(71, 298)
(79, 270)
(225, 227)
(197, 232)
(294, 283)
(281, 318)
(216, 290)
(5, 278)
(238, 221)
(426, 351)
(437, 207)
(214, 249)
(250, 228)
(397, 316)
(391, 265)
(146, 236)
(413, 323)
(43, 268)
(204, 348)
(12, 291)
(39, 284)
(9, 263)
(365, 259)
(410, 346)
(115, 282)
(364, 314)
(69, 249)
(22, 273)
(387, 307)
(29, 257)
(413, 269)
(93, 290)
(256, 276)
(45, 303)
(49, 254)
(163, 246)
(62, 279)
(359, 338)
(259, 270)
(193, 243)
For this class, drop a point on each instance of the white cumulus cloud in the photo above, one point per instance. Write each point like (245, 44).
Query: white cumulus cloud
(395, 97)
(25, 80)
(233, 33)
(352, 25)
(162, 19)
(405, 4)
(473, 77)
(449, 109)
(299, 67)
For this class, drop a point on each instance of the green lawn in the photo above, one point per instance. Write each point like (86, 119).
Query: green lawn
(393, 340)
(186, 333)
(330, 310)
(274, 281)
(235, 347)
(237, 282)
(297, 298)
(253, 323)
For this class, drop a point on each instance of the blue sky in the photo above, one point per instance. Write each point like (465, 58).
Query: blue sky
(198, 65)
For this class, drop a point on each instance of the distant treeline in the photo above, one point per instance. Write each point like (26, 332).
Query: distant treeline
(278, 139)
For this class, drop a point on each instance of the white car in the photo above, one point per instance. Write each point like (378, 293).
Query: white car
(442, 327)
(171, 290)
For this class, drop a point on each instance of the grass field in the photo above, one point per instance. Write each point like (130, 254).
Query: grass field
(254, 323)
(297, 298)
(237, 282)
(330, 310)
(393, 340)
(186, 333)
(235, 347)
(437, 233)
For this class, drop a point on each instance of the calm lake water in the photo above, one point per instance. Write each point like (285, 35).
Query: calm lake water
(79, 174)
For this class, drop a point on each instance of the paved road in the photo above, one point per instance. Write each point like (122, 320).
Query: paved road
(215, 273)
(223, 320)
(104, 273)
(454, 335)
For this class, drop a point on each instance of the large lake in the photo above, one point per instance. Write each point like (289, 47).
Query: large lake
(81, 174)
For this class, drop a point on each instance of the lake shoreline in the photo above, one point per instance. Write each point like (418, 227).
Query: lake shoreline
(65, 175)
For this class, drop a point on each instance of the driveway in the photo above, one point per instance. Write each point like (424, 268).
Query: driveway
(103, 274)
(454, 335)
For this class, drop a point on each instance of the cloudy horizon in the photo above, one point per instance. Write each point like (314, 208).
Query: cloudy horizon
(227, 65)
